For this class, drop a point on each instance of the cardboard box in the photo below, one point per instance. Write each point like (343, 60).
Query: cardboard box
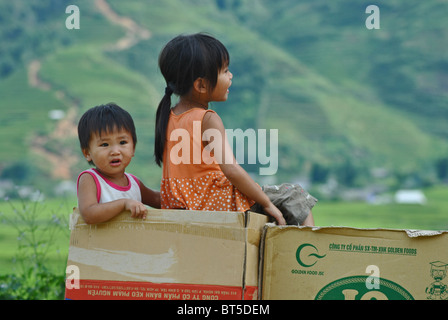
(338, 263)
(173, 254)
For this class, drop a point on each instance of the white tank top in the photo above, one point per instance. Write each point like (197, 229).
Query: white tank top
(107, 191)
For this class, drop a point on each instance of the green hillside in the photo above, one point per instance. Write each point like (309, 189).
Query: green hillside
(345, 99)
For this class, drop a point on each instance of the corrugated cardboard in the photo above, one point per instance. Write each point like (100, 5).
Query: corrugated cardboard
(173, 254)
(339, 263)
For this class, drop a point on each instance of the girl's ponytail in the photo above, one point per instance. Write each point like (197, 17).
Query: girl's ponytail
(162, 117)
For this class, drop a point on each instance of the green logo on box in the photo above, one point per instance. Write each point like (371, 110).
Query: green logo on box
(354, 288)
(310, 259)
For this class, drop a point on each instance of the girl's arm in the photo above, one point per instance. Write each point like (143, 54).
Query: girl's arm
(94, 212)
(149, 196)
(235, 173)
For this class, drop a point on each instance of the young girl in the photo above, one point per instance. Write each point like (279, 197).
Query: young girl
(196, 68)
(107, 137)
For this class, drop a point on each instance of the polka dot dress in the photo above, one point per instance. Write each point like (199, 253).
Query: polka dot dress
(212, 192)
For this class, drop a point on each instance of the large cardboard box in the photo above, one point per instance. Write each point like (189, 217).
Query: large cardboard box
(339, 263)
(173, 254)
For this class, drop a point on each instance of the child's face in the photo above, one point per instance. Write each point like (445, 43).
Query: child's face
(111, 152)
(221, 91)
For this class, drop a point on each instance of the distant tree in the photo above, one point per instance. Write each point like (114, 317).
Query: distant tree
(17, 172)
(442, 168)
(346, 173)
(319, 173)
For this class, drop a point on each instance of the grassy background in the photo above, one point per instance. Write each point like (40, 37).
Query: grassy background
(46, 211)
(431, 216)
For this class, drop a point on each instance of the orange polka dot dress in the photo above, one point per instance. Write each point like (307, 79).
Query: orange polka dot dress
(190, 180)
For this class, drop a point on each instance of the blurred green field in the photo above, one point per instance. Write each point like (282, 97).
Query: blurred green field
(431, 216)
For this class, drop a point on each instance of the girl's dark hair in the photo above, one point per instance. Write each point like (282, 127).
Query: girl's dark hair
(184, 59)
(104, 118)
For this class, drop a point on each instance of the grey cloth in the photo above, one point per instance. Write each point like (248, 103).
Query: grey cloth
(291, 199)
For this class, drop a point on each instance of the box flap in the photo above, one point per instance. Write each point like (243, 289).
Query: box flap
(361, 232)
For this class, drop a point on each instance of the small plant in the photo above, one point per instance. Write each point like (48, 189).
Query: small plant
(32, 279)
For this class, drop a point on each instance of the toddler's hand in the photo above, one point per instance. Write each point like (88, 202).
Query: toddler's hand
(138, 209)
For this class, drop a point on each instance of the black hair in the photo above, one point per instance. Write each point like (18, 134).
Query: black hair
(184, 59)
(104, 118)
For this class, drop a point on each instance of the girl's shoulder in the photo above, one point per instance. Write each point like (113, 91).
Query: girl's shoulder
(193, 114)
(195, 110)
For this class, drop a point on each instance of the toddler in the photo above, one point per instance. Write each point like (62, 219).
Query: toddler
(108, 138)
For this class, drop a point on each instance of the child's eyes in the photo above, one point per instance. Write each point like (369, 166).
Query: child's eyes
(122, 142)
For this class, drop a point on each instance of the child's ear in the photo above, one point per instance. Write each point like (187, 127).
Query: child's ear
(200, 85)
(86, 154)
